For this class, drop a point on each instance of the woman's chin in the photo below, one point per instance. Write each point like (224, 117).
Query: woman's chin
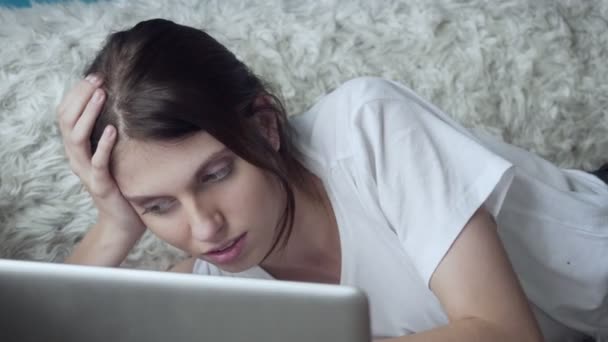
(236, 268)
(247, 262)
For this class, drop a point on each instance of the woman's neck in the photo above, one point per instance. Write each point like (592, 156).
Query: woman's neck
(313, 250)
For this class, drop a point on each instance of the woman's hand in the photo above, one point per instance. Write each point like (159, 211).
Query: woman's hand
(76, 116)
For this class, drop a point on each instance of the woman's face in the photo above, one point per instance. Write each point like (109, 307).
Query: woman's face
(201, 197)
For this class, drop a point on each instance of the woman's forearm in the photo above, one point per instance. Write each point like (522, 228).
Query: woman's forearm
(102, 246)
(469, 330)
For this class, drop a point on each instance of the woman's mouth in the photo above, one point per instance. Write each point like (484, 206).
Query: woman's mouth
(229, 253)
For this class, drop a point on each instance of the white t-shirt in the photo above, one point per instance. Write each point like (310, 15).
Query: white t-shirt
(404, 178)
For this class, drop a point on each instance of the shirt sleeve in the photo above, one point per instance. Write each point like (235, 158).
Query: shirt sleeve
(429, 173)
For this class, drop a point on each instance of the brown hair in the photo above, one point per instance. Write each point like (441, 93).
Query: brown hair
(166, 82)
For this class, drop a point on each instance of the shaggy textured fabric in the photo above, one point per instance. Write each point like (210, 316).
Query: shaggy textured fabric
(531, 71)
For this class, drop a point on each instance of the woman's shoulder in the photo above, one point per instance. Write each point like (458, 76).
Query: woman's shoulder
(361, 90)
(363, 101)
(350, 95)
(367, 85)
(336, 112)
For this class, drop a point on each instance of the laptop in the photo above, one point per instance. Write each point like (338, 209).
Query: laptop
(59, 302)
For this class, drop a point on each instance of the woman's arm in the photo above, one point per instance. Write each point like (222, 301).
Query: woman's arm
(103, 245)
(479, 291)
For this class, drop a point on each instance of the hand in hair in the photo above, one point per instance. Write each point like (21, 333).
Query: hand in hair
(118, 225)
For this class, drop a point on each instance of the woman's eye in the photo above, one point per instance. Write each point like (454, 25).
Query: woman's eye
(218, 175)
(157, 209)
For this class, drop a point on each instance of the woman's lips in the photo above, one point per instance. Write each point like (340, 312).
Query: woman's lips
(228, 254)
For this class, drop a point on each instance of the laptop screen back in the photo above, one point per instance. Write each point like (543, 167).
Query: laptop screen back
(56, 302)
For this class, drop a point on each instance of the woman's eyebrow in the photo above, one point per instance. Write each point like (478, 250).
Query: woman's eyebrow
(143, 199)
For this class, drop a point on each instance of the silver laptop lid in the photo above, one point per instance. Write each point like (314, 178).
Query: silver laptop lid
(57, 302)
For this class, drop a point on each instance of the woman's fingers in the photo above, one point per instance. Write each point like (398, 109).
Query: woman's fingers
(75, 134)
(77, 115)
(81, 133)
(102, 183)
(75, 100)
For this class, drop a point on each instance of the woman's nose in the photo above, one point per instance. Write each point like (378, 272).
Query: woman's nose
(205, 225)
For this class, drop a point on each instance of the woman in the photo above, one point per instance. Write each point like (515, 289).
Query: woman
(372, 187)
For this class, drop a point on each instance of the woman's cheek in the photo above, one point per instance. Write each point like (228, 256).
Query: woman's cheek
(173, 233)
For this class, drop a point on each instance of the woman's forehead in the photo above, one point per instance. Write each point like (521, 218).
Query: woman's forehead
(198, 142)
(136, 159)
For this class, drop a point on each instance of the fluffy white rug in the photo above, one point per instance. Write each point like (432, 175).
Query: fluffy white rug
(531, 71)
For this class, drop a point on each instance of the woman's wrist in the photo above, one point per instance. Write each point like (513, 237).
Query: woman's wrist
(104, 245)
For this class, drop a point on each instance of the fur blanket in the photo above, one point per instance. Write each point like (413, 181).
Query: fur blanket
(531, 71)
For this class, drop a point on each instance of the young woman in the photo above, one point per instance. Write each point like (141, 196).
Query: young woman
(453, 236)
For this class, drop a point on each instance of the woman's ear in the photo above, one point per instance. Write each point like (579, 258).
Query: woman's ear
(266, 120)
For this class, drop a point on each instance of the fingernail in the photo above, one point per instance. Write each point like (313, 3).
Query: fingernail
(109, 132)
(97, 96)
(92, 78)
